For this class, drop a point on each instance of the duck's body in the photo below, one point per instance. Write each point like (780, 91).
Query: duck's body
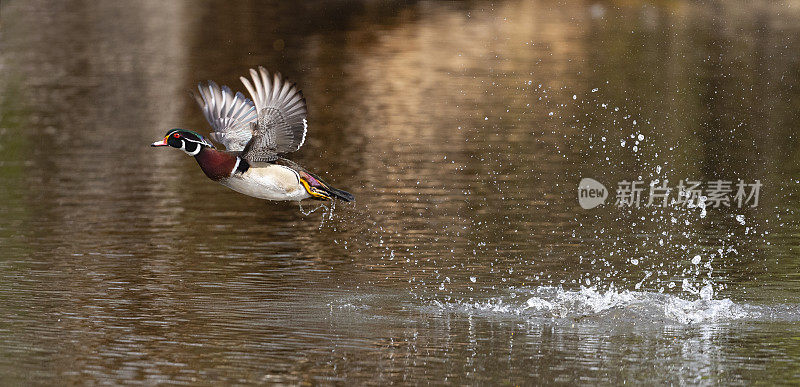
(270, 181)
(252, 164)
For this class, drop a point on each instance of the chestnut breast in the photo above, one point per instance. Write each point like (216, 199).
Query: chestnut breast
(215, 164)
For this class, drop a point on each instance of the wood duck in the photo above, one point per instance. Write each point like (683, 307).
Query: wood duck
(256, 134)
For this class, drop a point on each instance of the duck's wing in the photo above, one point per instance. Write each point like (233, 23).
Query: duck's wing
(230, 115)
(281, 125)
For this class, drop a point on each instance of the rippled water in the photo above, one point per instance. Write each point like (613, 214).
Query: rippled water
(463, 129)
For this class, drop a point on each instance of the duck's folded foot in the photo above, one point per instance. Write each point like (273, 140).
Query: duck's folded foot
(319, 190)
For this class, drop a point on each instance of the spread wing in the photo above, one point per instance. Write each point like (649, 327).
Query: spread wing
(281, 124)
(229, 115)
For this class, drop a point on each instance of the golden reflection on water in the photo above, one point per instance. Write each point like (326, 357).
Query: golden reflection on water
(462, 129)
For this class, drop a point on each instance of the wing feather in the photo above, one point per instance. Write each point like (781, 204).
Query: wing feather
(229, 114)
(281, 125)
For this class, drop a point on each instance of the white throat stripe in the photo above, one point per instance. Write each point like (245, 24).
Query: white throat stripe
(236, 166)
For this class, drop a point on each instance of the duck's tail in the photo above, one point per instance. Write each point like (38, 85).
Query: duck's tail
(341, 194)
(320, 190)
(316, 187)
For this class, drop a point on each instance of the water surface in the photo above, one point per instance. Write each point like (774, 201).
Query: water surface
(463, 129)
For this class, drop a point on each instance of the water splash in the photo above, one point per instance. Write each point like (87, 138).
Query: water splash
(590, 304)
(327, 213)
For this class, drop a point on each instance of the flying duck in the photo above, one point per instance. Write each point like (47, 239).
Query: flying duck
(256, 134)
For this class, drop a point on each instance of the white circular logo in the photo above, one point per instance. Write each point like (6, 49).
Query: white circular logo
(591, 193)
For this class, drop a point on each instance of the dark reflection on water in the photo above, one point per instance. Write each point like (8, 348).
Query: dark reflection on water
(463, 130)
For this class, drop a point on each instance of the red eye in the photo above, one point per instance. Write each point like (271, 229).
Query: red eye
(176, 135)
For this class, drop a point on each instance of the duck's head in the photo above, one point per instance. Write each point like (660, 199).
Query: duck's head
(185, 140)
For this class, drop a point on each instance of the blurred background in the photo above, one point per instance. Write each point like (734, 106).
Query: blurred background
(463, 130)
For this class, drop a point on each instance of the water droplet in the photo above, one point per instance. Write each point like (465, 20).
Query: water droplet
(707, 292)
